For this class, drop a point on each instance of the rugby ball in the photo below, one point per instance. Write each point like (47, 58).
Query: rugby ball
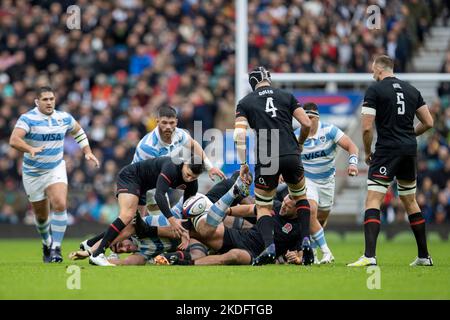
(196, 205)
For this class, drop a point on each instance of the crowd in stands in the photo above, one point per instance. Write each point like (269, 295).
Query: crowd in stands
(131, 56)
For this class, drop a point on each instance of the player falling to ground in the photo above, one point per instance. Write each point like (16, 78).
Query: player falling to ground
(392, 104)
(40, 133)
(169, 140)
(318, 158)
(269, 112)
(135, 180)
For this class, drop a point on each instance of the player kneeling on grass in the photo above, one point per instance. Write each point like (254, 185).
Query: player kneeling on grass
(242, 246)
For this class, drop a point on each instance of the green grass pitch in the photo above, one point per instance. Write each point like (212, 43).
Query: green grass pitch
(24, 276)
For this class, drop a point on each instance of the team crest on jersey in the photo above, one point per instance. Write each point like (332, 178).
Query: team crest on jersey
(60, 122)
(322, 139)
(287, 228)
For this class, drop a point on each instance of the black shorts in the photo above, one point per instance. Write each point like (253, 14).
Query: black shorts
(290, 166)
(249, 240)
(386, 167)
(127, 182)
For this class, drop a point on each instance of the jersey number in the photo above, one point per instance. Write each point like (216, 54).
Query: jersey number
(401, 103)
(270, 107)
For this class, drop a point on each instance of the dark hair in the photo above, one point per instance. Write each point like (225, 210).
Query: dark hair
(196, 164)
(385, 61)
(167, 111)
(310, 106)
(41, 90)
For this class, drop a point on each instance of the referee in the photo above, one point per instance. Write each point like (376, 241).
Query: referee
(392, 104)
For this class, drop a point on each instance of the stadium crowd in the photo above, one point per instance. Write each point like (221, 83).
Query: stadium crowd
(132, 56)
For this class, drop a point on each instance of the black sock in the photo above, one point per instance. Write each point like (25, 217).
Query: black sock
(304, 213)
(372, 226)
(95, 239)
(265, 226)
(417, 223)
(112, 233)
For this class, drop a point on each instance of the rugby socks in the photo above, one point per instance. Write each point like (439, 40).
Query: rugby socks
(113, 231)
(43, 227)
(59, 225)
(304, 213)
(417, 223)
(265, 226)
(319, 239)
(95, 239)
(372, 226)
(218, 210)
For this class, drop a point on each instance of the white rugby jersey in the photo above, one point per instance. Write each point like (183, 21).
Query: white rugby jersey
(48, 131)
(319, 153)
(152, 146)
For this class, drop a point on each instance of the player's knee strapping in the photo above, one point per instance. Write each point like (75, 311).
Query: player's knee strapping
(405, 189)
(297, 192)
(263, 200)
(377, 185)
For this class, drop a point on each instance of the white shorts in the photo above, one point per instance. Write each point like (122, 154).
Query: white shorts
(35, 186)
(323, 194)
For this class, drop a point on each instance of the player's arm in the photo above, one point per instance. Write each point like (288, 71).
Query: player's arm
(239, 136)
(246, 210)
(81, 138)
(426, 120)
(17, 142)
(131, 260)
(348, 145)
(162, 186)
(300, 115)
(368, 113)
(212, 171)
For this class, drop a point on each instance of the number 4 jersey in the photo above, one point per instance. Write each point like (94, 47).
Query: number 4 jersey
(269, 112)
(393, 103)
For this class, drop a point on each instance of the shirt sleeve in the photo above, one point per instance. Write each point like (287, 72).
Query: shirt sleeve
(23, 123)
(369, 105)
(240, 110)
(420, 101)
(337, 134)
(294, 104)
(72, 122)
(184, 137)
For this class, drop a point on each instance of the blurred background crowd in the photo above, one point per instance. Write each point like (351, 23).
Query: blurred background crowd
(132, 56)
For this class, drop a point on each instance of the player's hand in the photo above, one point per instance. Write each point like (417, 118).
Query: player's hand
(280, 179)
(293, 257)
(244, 174)
(300, 147)
(177, 227)
(34, 150)
(91, 157)
(352, 170)
(369, 158)
(184, 241)
(216, 172)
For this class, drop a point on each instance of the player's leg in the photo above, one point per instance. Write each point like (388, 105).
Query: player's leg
(57, 196)
(218, 210)
(406, 181)
(313, 198)
(128, 204)
(326, 199)
(232, 257)
(322, 217)
(381, 172)
(42, 221)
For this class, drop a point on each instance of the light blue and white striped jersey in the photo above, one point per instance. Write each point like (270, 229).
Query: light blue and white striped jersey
(152, 146)
(48, 131)
(319, 153)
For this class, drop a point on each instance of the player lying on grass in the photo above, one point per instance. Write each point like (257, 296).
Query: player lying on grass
(241, 247)
(132, 184)
(148, 245)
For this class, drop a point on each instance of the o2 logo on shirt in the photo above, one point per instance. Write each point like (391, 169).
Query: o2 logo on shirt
(383, 170)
